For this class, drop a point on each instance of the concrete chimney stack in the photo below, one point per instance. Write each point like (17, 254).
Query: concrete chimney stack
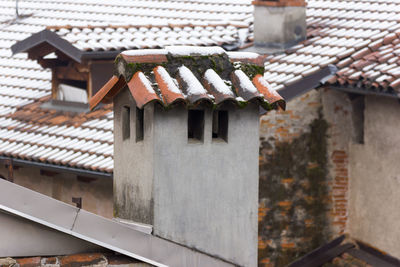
(186, 130)
(279, 24)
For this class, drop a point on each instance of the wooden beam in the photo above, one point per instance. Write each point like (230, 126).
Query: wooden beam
(54, 84)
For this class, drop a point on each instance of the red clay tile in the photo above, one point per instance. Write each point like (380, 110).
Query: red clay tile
(82, 260)
(29, 262)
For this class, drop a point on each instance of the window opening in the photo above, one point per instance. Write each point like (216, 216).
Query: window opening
(139, 124)
(126, 129)
(196, 124)
(220, 125)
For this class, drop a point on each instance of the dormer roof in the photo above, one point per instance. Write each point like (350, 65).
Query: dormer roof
(190, 75)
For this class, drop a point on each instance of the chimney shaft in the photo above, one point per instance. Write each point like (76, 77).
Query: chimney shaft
(279, 24)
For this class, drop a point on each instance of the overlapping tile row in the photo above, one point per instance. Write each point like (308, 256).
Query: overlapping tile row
(188, 75)
(125, 37)
(97, 11)
(24, 84)
(337, 31)
(50, 136)
(375, 68)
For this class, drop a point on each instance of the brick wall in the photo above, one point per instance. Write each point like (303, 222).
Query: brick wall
(303, 176)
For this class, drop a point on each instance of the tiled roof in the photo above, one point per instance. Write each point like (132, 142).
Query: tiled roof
(189, 75)
(85, 140)
(376, 68)
(125, 37)
(339, 32)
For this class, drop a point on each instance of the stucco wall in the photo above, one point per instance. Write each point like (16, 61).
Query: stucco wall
(96, 194)
(375, 177)
(206, 193)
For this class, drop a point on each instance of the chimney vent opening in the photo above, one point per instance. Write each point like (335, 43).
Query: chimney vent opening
(139, 124)
(220, 125)
(126, 129)
(195, 125)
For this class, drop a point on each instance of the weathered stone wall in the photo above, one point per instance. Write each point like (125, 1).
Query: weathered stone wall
(303, 175)
(96, 194)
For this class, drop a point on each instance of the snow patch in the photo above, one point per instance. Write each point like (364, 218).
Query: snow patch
(195, 50)
(194, 86)
(243, 55)
(168, 80)
(212, 77)
(245, 82)
(144, 52)
(146, 83)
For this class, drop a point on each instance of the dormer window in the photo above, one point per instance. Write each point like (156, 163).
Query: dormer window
(72, 93)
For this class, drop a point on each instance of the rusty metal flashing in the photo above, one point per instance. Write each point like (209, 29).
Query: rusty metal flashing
(58, 168)
(107, 233)
(308, 83)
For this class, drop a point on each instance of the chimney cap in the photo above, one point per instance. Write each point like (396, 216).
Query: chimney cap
(190, 75)
(279, 3)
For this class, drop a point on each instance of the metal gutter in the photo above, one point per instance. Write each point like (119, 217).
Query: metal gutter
(355, 90)
(57, 168)
(307, 83)
(95, 229)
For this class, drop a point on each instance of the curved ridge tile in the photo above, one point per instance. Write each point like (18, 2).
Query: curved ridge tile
(141, 89)
(269, 93)
(169, 90)
(243, 86)
(190, 85)
(217, 87)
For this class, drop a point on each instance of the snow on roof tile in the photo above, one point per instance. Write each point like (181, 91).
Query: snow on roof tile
(214, 78)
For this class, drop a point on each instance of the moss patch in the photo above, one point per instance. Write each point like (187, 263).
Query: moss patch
(197, 64)
(294, 195)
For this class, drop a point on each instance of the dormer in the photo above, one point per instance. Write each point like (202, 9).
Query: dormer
(81, 58)
(186, 144)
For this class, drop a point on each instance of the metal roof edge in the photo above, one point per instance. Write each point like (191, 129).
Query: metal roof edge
(53, 39)
(360, 91)
(307, 83)
(109, 234)
(60, 168)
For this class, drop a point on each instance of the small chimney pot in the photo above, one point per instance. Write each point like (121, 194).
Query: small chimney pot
(279, 24)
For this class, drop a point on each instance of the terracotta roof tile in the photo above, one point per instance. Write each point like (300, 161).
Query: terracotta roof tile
(201, 74)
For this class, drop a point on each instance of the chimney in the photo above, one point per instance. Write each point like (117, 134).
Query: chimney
(186, 142)
(279, 24)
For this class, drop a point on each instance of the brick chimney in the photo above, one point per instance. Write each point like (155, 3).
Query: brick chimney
(279, 24)
(186, 146)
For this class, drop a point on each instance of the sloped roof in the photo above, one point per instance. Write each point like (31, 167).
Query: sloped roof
(340, 33)
(374, 69)
(336, 32)
(189, 75)
(94, 41)
(125, 239)
(79, 141)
